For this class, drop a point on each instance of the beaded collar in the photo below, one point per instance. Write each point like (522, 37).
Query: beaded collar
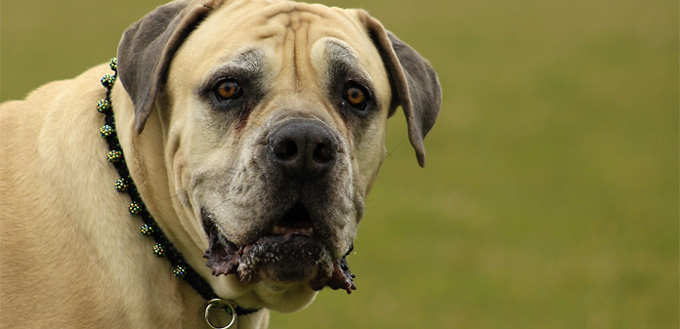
(163, 247)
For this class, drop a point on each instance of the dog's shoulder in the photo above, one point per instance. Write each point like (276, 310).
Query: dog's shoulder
(50, 120)
(48, 142)
(28, 115)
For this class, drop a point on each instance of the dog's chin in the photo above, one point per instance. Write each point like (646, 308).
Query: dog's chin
(284, 259)
(279, 259)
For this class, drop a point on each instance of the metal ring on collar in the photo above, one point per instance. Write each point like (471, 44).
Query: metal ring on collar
(227, 306)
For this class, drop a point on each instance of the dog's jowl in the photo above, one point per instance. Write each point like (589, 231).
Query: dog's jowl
(240, 138)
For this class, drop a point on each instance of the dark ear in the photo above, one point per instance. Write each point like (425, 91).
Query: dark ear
(414, 84)
(147, 47)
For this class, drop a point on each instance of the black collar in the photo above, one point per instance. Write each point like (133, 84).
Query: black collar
(163, 247)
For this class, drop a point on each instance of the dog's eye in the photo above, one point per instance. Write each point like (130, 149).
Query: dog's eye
(227, 90)
(356, 97)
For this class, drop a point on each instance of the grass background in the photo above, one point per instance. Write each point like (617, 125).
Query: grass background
(550, 199)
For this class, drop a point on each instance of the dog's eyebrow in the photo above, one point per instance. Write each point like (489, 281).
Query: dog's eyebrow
(336, 50)
(248, 66)
(341, 56)
(344, 63)
(250, 60)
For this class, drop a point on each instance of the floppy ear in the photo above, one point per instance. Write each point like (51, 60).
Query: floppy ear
(414, 84)
(147, 47)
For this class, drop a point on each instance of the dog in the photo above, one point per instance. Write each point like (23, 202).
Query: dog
(251, 133)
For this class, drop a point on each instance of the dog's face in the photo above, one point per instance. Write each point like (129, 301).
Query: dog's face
(278, 127)
(274, 114)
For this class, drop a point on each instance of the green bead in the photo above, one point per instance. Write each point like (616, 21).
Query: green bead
(135, 208)
(179, 272)
(103, 105)
(146, 230)
(114, 156)
(121, 185)
(106, 131)
(108, 80)
(113, 64)
(159, 250)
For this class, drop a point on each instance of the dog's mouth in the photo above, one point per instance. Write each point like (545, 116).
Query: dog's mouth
(292, 250)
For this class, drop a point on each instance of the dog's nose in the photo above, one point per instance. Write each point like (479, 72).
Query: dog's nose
(303, 149)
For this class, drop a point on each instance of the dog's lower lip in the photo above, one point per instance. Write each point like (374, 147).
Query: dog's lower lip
(281, 230)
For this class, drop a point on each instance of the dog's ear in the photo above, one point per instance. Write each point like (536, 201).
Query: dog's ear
(147, 47)
(414, 83)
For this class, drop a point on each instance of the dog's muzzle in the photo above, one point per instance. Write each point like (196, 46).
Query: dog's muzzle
(297, 243)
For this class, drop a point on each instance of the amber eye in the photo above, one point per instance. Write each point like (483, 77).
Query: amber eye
(227, 89)
(355, 96)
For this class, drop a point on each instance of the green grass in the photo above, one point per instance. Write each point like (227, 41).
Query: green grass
(550, 199)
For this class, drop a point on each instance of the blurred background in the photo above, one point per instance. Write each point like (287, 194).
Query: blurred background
(550, 196)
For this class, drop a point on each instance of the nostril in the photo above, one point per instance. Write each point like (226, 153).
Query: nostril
(323, 153)
(285, 149)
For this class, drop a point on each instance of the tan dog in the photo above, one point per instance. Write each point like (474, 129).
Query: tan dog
(253, 131)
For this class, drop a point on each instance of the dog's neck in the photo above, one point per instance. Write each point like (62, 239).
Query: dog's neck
(136, 183)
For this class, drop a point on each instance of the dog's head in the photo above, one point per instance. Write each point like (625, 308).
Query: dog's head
(273, 115)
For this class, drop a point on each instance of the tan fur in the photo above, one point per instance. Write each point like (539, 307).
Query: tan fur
(70, 253)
